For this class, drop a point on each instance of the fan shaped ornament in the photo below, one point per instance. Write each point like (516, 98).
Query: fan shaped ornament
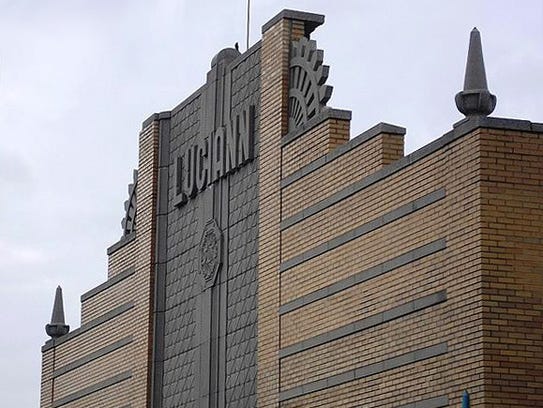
(308, 93)
(130, 206)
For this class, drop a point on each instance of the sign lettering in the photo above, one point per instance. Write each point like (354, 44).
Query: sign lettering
(212, 158)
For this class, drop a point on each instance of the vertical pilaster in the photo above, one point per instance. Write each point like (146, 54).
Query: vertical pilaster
(157, 366)
(145, 255)
(273, 125)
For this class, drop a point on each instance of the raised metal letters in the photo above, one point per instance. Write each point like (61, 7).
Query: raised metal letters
(201, 165)
(214, 157)
(308, 93)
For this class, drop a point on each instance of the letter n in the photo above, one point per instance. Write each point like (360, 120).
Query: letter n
(231, 146)
(246, 135)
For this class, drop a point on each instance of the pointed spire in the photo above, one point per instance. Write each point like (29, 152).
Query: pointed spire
(57, 317)
(475, 99)
(57, 327)
(475, 67)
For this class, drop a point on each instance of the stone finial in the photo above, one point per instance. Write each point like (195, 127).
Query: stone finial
(57, 327)
(475, 99)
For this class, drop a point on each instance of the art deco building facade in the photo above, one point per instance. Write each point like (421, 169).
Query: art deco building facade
(272, 261)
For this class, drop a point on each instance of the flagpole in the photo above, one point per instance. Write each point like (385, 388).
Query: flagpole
(248, 20)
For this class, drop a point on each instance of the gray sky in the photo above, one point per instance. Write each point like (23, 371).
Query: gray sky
(77, 78)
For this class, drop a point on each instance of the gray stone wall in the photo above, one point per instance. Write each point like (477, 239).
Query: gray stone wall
(243, 254)
(231, 306)
(181, 285)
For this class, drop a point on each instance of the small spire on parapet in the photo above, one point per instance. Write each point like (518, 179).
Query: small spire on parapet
(475, 99)
(57, 327)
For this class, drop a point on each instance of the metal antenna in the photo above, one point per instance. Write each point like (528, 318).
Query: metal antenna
(248, 20)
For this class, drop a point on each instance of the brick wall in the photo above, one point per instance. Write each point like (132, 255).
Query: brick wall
(396, 281)
(315, 143)
(355, 164)
(46, 385)
(512, 265)
(273, 125)
(379, 252)
(412, 282)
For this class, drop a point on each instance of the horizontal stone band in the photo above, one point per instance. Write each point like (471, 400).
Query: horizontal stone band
(92, 389)
(365, 228)
(365, 371)
(92, 356)
(364, 324)
(365, 275)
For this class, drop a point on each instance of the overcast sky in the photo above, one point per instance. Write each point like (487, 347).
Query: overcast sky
(77, 78)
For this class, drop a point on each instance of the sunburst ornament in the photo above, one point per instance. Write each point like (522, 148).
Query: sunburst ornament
(130, 206)
(308, 92)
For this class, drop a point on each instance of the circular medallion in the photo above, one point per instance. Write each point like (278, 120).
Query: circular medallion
(210, 253)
